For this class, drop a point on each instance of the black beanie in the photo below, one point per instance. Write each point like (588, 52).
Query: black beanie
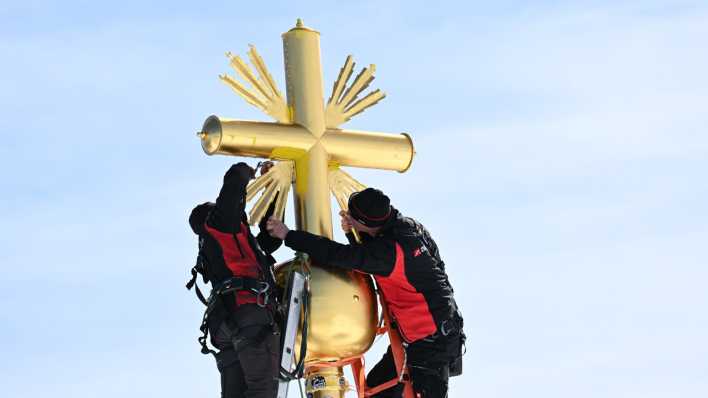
(370, 207)
(199, 215)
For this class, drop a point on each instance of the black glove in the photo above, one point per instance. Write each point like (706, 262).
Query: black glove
(240, 172)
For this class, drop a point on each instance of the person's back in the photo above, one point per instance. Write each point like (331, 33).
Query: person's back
(424, 296)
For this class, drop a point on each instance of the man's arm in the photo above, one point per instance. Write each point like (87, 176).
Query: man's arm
(231, 202)
(376, 257)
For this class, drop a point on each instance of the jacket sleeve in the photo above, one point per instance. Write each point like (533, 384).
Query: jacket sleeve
(377, 256)
(200, 230)
(268, 243)
(231, 202)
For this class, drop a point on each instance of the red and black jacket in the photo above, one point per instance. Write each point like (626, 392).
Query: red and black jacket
(228, 248)
(406, 264)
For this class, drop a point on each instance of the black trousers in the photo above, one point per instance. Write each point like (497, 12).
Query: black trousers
(428, 367)
(252, 371)
(249, 360)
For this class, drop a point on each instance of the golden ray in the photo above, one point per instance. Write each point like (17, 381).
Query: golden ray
(341, 82)
(248, 95)
(343, 106)
(361, 82)
(370, 100)
(261, 206)
(244, 71)
(276, 181)
(265, 76)
(342, 186)
(257, 185)
(264, 95)
(279, 211)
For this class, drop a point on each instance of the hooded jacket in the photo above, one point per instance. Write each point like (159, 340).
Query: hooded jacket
(228, 247)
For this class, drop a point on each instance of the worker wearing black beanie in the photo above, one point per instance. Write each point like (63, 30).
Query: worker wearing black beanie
(405, 262)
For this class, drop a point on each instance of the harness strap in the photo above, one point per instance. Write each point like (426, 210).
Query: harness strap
(259, 287)
(193, 283)
(199, 268)
(239, 283)
(442, 372)
(204, 328)
(235, 284)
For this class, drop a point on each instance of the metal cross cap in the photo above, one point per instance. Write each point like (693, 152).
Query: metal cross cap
(306, 137)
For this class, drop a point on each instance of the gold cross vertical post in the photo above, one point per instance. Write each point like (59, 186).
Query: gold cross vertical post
(311, 147)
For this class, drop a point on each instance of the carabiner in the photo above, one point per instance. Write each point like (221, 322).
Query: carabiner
(442, 328)
(262, 294)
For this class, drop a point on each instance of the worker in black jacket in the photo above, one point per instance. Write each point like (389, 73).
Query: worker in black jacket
(239, 315)
(405, 262)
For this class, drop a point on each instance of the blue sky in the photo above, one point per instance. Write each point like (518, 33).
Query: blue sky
(562, 154)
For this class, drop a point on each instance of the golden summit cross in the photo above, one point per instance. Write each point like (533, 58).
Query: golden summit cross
(310, 148)
(306, 132)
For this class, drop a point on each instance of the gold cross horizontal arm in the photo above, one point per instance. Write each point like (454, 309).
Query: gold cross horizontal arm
(253, 139)
(290, 142)
(369, 149)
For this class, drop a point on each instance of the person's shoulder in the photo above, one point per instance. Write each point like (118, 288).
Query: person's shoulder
(410, 221)
(404, 225)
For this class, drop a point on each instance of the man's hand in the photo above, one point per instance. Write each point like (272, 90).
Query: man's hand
(276, 228)
(346, 222)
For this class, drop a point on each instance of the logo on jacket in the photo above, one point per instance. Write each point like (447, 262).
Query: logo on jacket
(417, 252)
